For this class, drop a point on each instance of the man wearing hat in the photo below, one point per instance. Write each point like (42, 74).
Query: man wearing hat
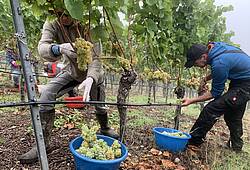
(227, 63)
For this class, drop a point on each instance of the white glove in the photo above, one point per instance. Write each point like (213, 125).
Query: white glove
(86, 84)
(67, 49)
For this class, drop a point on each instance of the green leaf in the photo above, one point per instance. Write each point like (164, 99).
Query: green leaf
(99, 33)
(41, 2)
(161, 15)
(150, 2)
(75, 8)
(151, 25)
(139, 29)
(117, 24)
(151, 33)
(160, 4)
(37, 10)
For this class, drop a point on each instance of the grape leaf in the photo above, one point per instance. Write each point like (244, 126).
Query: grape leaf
(75, 8)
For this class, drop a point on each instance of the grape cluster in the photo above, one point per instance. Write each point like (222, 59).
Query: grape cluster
(156, 75)
(179, 91)
(193, 83)
(176, 134)
(84, 53)
(98, 149)
(110, 68)
(124, 62)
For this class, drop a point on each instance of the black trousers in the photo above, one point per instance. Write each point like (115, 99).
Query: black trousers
(232, 105)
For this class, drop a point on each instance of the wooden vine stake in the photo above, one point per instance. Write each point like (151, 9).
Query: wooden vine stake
(127, 79)
(180, 93)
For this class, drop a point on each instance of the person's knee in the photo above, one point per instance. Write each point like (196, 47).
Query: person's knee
(48, 95)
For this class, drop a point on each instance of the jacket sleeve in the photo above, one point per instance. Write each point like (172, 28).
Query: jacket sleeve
(48, 37)
(219, 78)
(95, 69)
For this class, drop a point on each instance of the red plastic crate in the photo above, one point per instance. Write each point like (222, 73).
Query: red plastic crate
(74, 105)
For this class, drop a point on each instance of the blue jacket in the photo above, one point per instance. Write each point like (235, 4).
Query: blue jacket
(229, 65)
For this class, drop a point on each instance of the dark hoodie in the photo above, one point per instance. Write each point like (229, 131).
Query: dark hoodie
(232, 66)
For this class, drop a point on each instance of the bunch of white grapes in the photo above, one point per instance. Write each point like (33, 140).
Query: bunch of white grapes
(110, 68)
(193, 83)
(176, 134)
(84, 53)
(156, 75)
(94, 148)
(125, 63)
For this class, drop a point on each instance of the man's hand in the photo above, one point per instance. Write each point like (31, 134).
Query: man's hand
(186, 101)
(86, 84)
(206, 96)
(67, 49)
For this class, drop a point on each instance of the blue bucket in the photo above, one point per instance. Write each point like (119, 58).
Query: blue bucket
(85, 163)
(170, 143)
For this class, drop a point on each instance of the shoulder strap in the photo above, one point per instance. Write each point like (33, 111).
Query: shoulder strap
(230, 51)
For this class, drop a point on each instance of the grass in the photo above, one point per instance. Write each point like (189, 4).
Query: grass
(140, 99)
(192, 110)
(233, 161)
(114, 118)
(135, 118)
(138, 117)
(13, 97)
(135, 112)
(111, 98)
(142, 121)
(2, 141)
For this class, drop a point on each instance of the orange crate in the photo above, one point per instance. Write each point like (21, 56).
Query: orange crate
(74, 105)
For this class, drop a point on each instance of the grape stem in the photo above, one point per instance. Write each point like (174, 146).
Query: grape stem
(113, 30)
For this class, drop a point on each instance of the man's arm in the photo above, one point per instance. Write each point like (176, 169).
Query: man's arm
(46, 42)
(206, 96)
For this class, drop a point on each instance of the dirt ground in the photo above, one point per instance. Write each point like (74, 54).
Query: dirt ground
(15, 139)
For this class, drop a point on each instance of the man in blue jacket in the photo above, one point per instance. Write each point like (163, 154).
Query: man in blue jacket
(227, 63)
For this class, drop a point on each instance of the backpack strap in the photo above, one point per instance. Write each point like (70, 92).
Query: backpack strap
(230, 51)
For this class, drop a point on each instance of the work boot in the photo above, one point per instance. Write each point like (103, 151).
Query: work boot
(105, 130)
(232, 147)
(47, 121)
